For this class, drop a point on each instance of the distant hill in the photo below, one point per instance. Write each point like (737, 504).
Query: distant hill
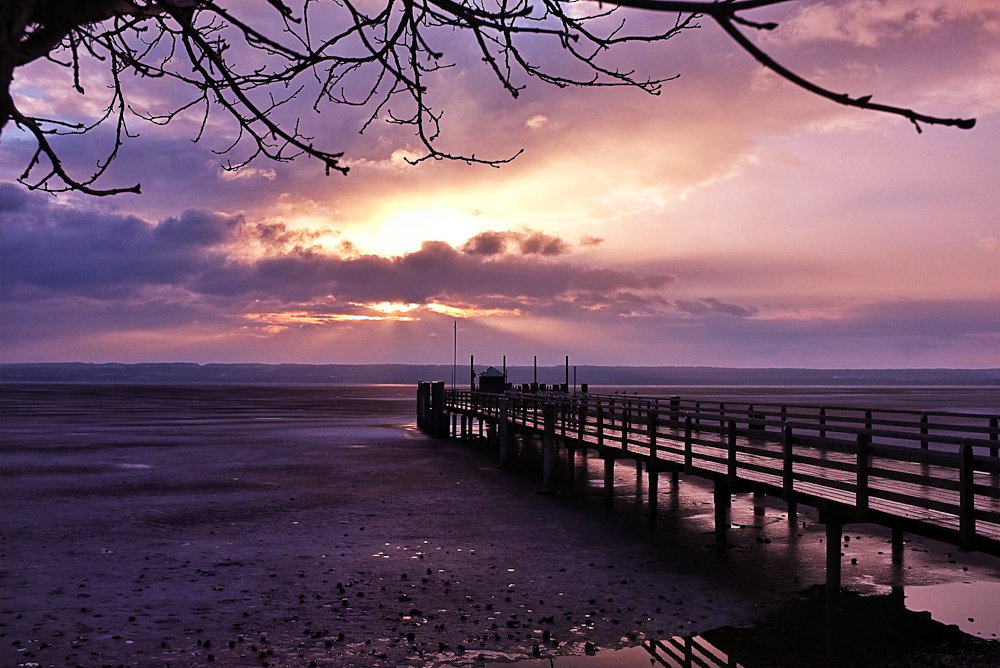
(77, 372)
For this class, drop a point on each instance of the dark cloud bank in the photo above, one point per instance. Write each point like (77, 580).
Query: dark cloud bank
(50, 250)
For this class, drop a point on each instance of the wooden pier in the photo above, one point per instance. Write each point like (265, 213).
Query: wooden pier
(934, 474)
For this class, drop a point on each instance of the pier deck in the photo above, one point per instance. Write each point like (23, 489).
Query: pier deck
(934, 474)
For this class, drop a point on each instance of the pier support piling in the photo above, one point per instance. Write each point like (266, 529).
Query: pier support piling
(897, 545)
(654, 490)
(439, 425)
(722, 502)
(609, 478)
(503, 434)
(548, 448)
(834, 537)
(570, 464)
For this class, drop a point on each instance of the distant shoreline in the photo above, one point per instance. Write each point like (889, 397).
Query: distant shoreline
(624, 376)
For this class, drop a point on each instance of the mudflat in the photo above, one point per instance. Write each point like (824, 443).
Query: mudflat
(313, 525)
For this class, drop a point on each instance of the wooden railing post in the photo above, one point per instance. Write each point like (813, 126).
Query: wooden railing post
(732, 453)
(861, 488)
(787, 479)
(822, 421)
(653, 423)
(995, 437)
(923, 431)
(967, 500)
(600, 430)
(688, 449)
(625, 426)
(697, 412)
(722, 415)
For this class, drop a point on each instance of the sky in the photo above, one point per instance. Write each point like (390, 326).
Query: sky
(731, 220)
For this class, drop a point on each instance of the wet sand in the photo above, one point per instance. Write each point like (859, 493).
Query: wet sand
(298, 526)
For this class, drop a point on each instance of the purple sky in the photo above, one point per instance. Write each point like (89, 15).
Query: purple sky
(732, 220)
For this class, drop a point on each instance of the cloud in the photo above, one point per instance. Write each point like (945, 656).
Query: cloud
(400, 160)
(988, 244)
(712, 306)
(525, 242)
(535, 122)
(870, 22)
(248, 173)
(198, 227)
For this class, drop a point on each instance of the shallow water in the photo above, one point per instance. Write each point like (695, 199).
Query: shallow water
(140, 516)
(678, 652)
(972, 606)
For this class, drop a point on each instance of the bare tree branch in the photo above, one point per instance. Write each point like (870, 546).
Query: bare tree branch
(379, 58)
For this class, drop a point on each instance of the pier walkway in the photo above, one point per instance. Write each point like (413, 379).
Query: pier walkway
(934, 474)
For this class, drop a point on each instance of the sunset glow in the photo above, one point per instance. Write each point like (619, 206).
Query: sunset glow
(731, 220)
(404, 229)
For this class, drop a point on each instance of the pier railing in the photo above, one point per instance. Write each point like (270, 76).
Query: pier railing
(933, 473)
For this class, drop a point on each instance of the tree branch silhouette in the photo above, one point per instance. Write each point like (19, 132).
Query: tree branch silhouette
(344, 53)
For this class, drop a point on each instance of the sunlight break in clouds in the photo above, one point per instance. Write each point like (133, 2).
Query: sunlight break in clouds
(403, 229)
(277, 323)
(471, 311)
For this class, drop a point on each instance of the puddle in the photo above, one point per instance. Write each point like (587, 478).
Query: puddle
(872, 632)
(688, 652)
(972, 606)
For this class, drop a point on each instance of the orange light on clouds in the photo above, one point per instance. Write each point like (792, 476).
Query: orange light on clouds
(276, 323)
(389, 307)
(470, 311)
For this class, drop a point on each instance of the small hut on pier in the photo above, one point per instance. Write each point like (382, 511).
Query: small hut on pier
(492, 380)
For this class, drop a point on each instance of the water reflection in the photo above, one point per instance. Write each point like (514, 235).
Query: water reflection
(686, 652)
(972, 606)
(689, 652)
